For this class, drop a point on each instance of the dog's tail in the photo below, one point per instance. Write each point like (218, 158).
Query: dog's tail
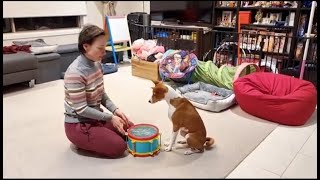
(209, 142)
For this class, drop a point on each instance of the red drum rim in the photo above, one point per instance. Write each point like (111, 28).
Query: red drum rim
(143, 138)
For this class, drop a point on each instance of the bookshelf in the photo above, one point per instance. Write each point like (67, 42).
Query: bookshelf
(278, 19)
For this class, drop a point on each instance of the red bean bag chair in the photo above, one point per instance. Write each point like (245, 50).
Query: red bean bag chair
(275, 97)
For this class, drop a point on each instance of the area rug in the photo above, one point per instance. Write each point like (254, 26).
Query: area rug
(35, 145)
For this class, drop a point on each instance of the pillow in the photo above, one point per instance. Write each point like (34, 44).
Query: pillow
(33, 43)
(38, 46)
(44, 49)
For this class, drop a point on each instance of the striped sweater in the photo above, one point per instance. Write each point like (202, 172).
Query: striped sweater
(84, 92)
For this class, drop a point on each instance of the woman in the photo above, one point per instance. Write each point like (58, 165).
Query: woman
(86, 125)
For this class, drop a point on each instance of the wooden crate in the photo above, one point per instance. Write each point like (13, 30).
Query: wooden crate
(145, 69)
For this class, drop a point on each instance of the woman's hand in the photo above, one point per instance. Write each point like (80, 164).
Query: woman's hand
(118, 123)
(117, 112)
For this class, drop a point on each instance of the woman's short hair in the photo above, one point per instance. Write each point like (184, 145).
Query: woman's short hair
(87, 35)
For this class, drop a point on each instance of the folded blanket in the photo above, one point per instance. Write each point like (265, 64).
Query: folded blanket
(38, 46)
(15, 48)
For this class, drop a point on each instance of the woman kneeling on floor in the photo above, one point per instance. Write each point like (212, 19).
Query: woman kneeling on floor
(86, 125)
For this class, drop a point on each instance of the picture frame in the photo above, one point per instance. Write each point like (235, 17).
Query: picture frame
(227, 16)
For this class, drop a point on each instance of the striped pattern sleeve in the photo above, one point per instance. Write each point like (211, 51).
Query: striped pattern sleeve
(106, 102)
(75, 96)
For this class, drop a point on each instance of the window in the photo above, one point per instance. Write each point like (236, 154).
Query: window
(41, 23)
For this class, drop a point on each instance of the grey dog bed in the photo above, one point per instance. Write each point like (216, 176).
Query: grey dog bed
(207, 96)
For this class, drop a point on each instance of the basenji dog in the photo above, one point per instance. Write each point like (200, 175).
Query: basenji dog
(185, 119)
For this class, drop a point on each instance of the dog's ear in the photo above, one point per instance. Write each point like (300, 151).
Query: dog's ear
(155, 82)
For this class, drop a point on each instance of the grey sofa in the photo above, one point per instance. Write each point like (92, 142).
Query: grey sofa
(48, 67)
(19, 67)
(68, 53)
(41, 68)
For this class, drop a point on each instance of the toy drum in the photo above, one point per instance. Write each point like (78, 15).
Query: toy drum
(143, 140)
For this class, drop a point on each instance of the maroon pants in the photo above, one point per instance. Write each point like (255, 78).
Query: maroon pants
(98, 137)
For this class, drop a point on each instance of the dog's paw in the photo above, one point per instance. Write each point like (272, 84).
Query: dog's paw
(168, 149)
(166, 144)
(182, 142)
(188, 152)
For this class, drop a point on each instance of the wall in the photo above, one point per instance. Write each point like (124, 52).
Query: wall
(126, 7)
(93, 14)
(43, 8)
(92, 11)
(162, 6)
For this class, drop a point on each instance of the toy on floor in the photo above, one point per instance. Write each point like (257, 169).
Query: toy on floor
(223, 77)
(143, 140)
(109, 68)
(144, 48)
(177, 65)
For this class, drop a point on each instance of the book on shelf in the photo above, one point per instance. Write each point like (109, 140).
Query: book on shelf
(262, 35)
(291, 19)
(268, 42)
(273, 41)
(289, 42)
(248, 39)
(279, 42)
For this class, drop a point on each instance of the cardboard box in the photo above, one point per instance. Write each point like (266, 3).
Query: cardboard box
(145, 69)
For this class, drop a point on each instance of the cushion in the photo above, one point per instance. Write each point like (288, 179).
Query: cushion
(207, 96)
(276, 97)
(33, 43)
(47, 57)
(20, 61)
(44, 49)
(68, 48)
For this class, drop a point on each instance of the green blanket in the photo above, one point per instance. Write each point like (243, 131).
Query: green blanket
(208, 72)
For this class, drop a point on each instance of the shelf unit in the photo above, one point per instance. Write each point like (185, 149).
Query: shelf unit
(291, 30)
(217, 11)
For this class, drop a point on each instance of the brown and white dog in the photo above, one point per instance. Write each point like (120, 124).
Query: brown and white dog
(185, 119)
